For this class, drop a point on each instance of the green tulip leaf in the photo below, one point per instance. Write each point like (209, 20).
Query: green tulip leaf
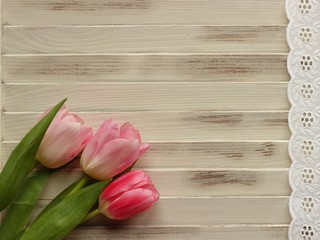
(19, 211)
(22, 159)
(58, 221)
(58, 198)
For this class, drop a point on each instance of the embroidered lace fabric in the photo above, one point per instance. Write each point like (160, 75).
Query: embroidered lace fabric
(303, 36)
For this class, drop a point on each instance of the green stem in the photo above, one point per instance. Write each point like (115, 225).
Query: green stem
(91, 214)
(84, 180)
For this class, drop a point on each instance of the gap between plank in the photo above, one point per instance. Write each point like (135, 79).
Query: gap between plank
(209, 141)
(200, 226)
(284, 170)
(139, 54)
(141, 25)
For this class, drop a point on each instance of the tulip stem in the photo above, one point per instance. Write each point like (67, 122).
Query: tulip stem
(91, 214)
(84, 180)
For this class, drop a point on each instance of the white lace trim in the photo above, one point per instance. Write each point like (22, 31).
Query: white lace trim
(303, 35)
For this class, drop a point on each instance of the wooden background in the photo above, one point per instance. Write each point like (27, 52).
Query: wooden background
(204, 80)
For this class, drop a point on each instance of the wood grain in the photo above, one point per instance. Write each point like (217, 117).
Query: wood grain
(144, 39)
(178, 211)
(177, 126)
(184, 232)
(148, 96)
(195, 155)
(97, 12)
(204, 81)
(196, 183)
(146, 68)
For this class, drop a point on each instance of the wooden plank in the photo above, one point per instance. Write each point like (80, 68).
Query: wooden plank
(195, 183)
(177, 126)
(149, 96)
(181, 233)
(145, 68)
(234, 154)
(205, 211)
(98, 12)
(144, 39)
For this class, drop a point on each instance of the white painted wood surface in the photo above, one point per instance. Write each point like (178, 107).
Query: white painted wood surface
(137, 39)
(173, 67)
(205, 82)
(173, 126)
(144, 12)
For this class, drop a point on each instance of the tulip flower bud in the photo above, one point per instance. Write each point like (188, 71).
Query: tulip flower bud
(112, 150)
(128, 195)
(65, 138)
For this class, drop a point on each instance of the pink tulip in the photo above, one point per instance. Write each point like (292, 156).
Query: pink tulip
(128, 195)
(112, 150)
(65, 138)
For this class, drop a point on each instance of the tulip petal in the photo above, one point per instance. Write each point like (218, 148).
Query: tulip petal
(127, 131)
(108, 131)
(80, 141)
(143, 148)
(62, 143)
(132, 180)
(62, 111)
(55, 149)
(66, 137)
(85, 137)
(132, 202)
(115, 157)
(76, 118)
